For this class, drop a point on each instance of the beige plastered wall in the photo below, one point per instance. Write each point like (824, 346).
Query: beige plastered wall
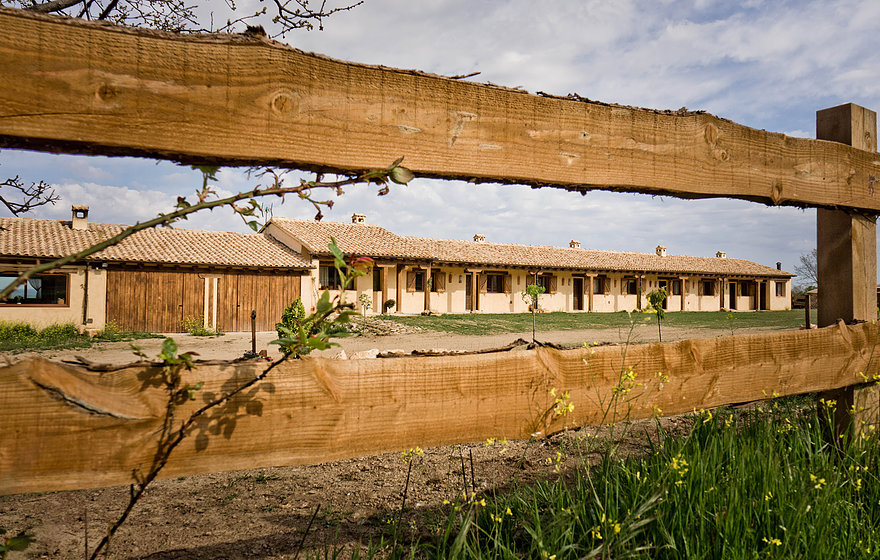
(72, 313)
(453, 299)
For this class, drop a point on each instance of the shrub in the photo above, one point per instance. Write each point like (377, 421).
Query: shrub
(293, 319)
(196, 327)
(388, 305)
(20, 336)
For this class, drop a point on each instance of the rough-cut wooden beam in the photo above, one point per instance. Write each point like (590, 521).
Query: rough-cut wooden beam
(66, 428)
(847, 261)
(82, 87)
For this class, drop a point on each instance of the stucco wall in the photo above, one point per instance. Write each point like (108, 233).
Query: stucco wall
(453, 299)
(42, 316)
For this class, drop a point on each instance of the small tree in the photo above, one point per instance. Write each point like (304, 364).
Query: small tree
(530, 296)
(655, 305)
(366, 301)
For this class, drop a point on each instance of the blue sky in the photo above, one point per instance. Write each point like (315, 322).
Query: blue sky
(765, 64)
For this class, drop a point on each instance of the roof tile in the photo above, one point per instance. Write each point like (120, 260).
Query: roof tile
(377, 242)
(28, 237)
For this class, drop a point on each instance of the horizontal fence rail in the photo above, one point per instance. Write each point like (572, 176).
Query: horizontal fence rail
(83, 87)
(66, 428)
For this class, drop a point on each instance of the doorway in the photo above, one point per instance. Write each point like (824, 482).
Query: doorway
(731, 296)
(578, 286)
(664, 285)
(469, 292)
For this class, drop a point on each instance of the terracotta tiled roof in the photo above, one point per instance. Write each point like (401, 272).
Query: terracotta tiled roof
(377, 242)
(26, 237)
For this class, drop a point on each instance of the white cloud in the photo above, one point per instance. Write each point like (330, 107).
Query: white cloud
(765, 64)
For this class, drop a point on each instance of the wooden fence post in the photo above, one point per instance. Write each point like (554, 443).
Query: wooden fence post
(847, 259)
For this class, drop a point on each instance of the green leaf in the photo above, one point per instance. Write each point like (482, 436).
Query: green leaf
(337, 252)
(169, 351)
(253, 225)
(401, 175)
(324, 304)
(19, 542)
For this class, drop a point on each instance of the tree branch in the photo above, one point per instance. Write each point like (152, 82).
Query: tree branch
(53, 6)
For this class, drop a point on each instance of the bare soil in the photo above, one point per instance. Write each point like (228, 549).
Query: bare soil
(267, 513)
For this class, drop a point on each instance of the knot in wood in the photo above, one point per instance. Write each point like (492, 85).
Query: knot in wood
(106, 92)
(283, 103)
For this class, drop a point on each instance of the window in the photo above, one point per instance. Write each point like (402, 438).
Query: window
(600, 285)
(495, 283)
(707, 288)
(48, 289)
(747, 289)
(676, 287)
(548, 282)
(629, 286)
(419, 279)
(780, 289)
(328, 277)
(438, 281)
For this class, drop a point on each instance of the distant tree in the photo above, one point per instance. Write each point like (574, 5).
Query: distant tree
(278, 16)
(19, 198)
(808, 269)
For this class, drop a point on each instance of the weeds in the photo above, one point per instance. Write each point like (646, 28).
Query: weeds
(196, 327)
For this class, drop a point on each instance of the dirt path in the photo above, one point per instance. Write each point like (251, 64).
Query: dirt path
(233, 345)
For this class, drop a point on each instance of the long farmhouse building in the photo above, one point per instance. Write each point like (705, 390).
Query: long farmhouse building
(156, 279)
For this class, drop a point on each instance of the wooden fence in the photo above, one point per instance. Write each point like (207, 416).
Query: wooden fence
(95, 88)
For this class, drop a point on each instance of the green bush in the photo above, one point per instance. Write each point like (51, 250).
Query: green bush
(293, 320)
(196, 327)
(20, 336)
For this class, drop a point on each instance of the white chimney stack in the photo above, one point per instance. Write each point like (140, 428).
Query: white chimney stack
(479, 238)
(661, 251)
(574, 244)
(79, 217)
(358, 218)
(721, 255)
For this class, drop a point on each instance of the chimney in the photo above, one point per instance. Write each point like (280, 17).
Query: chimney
(358, 218)
(778, 265)
(661, 251)
(79, 217)
(574, 244)
(721, 255)
(479, 238)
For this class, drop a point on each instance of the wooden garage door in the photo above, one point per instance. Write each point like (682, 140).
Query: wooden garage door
(159, 300)
(267, 294)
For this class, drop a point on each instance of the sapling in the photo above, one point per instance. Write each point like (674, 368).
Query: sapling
(655, 306)
(366, 301)
(530, 295)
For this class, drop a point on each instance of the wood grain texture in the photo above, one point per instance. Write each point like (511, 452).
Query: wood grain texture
(83, 87)
(67, 428)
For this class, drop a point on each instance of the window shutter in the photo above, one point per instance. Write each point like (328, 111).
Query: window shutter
(606, 285)
(508, 284)
(440, 282)
(482, 283)
(410, 281)
(553, 284)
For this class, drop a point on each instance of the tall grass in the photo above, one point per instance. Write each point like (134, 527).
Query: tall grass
(760, 484)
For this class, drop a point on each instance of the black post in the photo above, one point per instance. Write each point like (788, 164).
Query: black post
(254, 331)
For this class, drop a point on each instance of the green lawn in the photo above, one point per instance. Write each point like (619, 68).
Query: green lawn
(490, 323)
